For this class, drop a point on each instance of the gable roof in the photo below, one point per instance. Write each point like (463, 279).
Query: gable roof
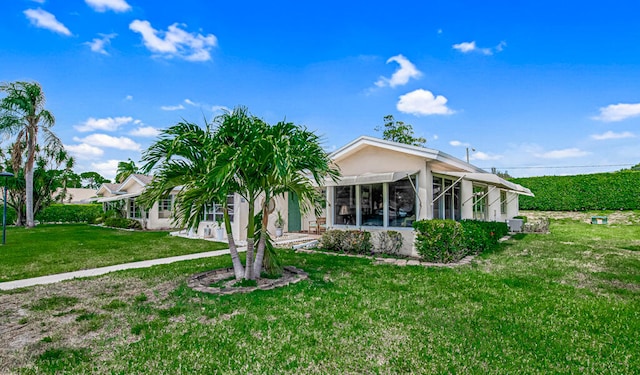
(441, 163)
(441, 159)
(119, 189)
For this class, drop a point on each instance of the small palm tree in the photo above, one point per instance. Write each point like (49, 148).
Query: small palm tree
(22, 114)
(242, 155)
(126, 169)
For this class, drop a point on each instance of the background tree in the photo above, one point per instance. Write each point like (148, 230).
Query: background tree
(22, 114)
(92, 180)
(50, 165)
(398, 131)
(126, 169)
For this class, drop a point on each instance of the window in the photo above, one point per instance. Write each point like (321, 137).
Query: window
(345, 205)
(503, 202)
(164, 207)
(402, 203)
(214, 211)
(372, 205)
(392, 204)
(447, 206)
(135, 211)
(479, 202)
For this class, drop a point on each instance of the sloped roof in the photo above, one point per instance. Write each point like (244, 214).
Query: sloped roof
(441, 162)
(441, 159)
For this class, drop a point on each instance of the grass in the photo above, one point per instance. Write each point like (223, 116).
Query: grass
(567, 302)
(50, 249)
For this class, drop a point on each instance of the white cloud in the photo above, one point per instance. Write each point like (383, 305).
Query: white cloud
(84, 151)
(220, 108)
(103, 140)
(423, 102)
(618, 112)
(405, 72)
(175, 42)
(104, 5)
(458, 144)
(45, 20)
(39, 1)
(465, 47)
(484, 156)
(107, 169)
(128, 97)
(612, 135)
(145, 131)
(98, 44)
(468, 47)
(563, 154)
(105, 124)
(188, 101)
(172, 107)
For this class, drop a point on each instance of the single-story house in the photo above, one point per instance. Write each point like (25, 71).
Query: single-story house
(384, 186)
(388, 185)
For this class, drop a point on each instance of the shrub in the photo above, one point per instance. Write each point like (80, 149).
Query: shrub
(332, 239)
(389, 242)
(440, 240)
(357, 241)
(70, 213)
(117, 222)
(447, 241)
(481, 236)
(348, 241)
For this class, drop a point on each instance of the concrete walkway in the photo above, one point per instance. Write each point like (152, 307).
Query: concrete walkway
(50, 279)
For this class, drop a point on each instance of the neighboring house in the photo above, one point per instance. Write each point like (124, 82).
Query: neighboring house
(123, 197)
(160, 215)
(75, 195)
(384, 186)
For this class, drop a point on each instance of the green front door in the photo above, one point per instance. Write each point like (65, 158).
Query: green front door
(294, 218)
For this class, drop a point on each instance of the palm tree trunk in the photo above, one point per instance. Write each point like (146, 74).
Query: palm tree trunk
(28, 178)
(262, 243)
(28, 174)
(238, 269)
(248, 270)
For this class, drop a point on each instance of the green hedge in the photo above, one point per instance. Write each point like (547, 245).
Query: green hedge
(119, 222)
(445, 241)
(599, 191)
(70, 213)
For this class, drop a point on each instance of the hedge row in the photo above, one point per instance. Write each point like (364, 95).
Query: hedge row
(599, 191)
(445, 241)
(70, 213)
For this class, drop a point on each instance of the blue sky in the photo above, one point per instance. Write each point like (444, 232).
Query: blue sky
(542, 84)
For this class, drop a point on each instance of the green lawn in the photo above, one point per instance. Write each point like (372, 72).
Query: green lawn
(49, 249)
(567, 302)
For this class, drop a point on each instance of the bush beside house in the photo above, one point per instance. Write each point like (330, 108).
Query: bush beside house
(445, 241)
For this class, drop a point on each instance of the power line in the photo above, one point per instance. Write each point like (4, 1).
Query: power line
(562, 166)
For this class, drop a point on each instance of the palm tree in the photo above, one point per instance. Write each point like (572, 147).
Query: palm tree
(126, 169)
(183, 156)
(22, 114)
(243, 155)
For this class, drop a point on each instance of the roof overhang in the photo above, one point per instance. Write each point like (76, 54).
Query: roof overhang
(369, 178)
(119, 197)
(489, 178)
